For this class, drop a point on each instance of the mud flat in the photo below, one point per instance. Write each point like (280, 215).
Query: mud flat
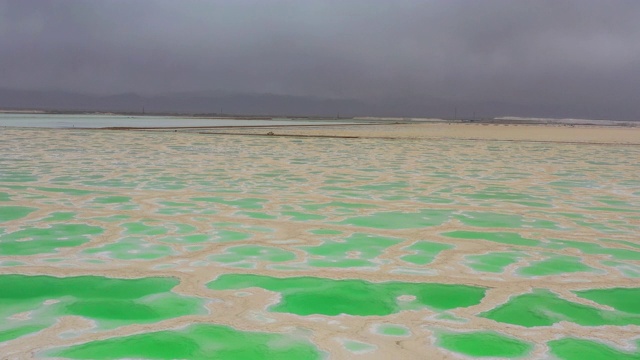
(403, 241)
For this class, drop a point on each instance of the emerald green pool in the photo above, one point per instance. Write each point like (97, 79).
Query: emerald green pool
(194, 342)
(308, 295)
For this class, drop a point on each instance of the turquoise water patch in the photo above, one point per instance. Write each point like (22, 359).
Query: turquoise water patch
(494, 262)
(9, 213)
(256, 215)
(401, 220)
(300, 216)
(484, 344)
(592, 248)
(60, 216)
(73, 192)
(18, 177)
(201, 341)
(132, 248)
(229, 236)
(252, 254)
(621, 299)
(11, 263)
(544, 308)
(355, 251)
(628, 270)
(357, 347)
(509, 238)
(243, 203)
(186, 239)
(556, 265)
(112, 200)
(30, 241)
(311, 295)
(579, 349)
(109, 302)
(497, 220)
(424, 252)
(338, 204)
(143, 229)
(393, 330)
(325, 232)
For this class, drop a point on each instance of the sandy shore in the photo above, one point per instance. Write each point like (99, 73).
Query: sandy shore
(539, 133)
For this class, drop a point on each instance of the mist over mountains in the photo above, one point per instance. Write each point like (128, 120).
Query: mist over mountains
(217, 102)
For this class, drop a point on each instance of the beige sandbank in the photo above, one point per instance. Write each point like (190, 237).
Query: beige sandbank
(459, 131)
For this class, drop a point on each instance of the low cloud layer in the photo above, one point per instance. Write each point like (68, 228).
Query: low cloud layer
(581, 57)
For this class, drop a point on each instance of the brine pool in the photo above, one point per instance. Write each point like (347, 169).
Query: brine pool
(118, 244)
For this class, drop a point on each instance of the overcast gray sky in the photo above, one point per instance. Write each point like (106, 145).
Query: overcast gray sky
(529, 52)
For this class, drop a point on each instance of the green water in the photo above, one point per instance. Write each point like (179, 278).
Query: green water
(73, 192)
(112, 199)
(555, 265)
(143, 229)
(202, 341)
(544, 308)
(109, 302)
(311, 295)
(491, 194)
(484, 344)
(621, 299)
(16, 332)
(401, 220)
(32, 241)
(253, 253)
(627, 270)
(186, 239)
(19, 177)
(357, 347)
(9, 213)
(496, 220)
(11, 263)
(612, 209)
(393, 330)
(447, 316)
(256, 215)
(244, 203)
(300, 216)
(579, 349)
(132, 248)
(510, 238)
(494, 262)
(591, 248)
(325, 232)
(230, 236)
(60, 216)
(338, 205)
(336, 253)
(424, 252)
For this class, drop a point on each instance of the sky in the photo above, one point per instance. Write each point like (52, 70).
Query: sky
(543, 52)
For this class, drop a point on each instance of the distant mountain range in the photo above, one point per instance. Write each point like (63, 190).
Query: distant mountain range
(270, 104)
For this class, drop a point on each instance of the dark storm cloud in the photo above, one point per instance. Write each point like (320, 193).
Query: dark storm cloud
(581, 52)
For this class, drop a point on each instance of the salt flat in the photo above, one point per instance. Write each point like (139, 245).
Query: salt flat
(390, 244)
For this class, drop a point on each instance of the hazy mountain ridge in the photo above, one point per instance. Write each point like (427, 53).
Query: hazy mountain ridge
(217, 102)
